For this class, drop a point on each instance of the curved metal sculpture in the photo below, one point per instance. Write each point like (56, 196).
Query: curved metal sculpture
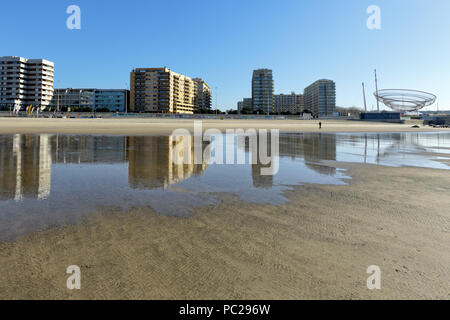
(404, 100)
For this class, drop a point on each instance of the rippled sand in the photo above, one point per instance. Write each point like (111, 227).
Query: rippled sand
(318, 246)
(166, 126)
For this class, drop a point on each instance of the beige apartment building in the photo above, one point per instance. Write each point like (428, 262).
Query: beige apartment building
(26, 82)
(289, 103)
(161, 90)
(202, 94)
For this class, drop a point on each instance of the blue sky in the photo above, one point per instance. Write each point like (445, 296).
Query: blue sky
(222, 41)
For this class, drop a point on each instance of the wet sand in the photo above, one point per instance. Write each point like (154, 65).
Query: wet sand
(318, 246)
(166, 126)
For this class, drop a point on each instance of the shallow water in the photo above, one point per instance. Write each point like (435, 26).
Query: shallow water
(48, 180)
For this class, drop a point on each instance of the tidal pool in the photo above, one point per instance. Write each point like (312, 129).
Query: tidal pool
(53, 180)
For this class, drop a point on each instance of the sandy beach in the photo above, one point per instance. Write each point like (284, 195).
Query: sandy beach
(166, 126)
(317, 246)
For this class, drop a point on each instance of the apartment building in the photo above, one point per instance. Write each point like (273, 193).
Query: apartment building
(73, 98)
(262, 90)
(289, 103)
(93, 99)
(246, 103)
(202, 96)
(240, 106)
(320, 97)
(161, 90)
(111, 99)
(26, 82)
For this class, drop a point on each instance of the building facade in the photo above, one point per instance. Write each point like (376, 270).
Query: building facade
(262, 90)
(320, 98)
(75, 99)
(90, 99)
(240, 106)
(202, 96)
(161, 90)
(246, 103)
(289, 103)
(111, 99)
(26, 82)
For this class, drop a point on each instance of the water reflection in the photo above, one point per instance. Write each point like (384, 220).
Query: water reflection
(56, 179)
(151, 163)
(25, 164)
(26, 160)
(394, 149)
(88, 149)
(314, 148)
(310, 148)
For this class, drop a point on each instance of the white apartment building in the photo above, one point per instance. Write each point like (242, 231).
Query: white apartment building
(26, 82)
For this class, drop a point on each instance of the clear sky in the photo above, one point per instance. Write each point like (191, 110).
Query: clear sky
(222, 41)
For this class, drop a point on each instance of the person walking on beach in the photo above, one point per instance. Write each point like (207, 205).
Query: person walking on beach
(320, 124)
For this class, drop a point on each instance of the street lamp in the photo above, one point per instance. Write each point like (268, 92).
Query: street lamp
(217, 98)
(79, 100)
(127, 89)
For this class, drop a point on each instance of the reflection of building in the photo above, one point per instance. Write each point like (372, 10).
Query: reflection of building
(89, 149)
(26, 160)
(320, 97)
(312, 148)
(25, 163)
(259, 180)
(8, 169)
(318, 147)
(45, 166)
(152, 164)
